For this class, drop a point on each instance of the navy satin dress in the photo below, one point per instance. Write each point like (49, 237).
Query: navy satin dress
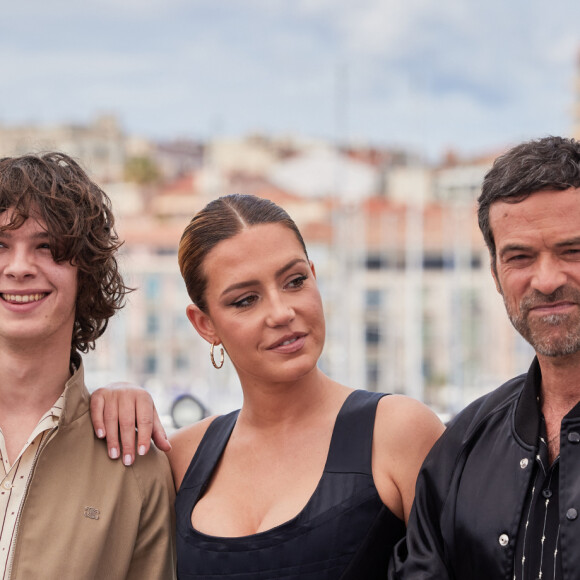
(343, 532)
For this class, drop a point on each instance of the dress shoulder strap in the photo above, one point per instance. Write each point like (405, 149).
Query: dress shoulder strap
(352, 438)
(210, 450)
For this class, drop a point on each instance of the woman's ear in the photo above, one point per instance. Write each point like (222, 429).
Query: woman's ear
(202, 323)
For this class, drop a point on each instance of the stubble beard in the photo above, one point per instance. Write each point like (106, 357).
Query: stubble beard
(552, 335)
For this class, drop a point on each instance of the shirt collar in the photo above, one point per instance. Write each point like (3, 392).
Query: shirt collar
(76, 397)
(528, 410)
(527, 416)
(56, 409)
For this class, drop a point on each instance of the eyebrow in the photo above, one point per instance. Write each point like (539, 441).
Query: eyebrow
(524, 248)
(571, 242)
(279, 272)
(36, 236)
(513, 248)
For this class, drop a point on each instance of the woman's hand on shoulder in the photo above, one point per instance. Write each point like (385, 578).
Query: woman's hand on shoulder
(121, 410)
(184, 444)
(405, 431)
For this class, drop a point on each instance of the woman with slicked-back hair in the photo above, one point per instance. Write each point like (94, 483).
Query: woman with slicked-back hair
(310, 479)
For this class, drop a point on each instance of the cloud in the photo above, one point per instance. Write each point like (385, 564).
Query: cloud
(424, 74)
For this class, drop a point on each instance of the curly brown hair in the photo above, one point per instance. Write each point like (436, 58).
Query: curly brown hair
(53, 188)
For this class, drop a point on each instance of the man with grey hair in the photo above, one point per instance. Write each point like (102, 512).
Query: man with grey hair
(499, 494)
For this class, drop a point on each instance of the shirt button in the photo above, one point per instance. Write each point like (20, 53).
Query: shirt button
(7, 485)
(524, 463)
(574, 437)
(547, 493)
(571, 514)
(503, 540)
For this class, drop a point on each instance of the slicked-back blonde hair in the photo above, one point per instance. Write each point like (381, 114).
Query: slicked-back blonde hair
(220, 220)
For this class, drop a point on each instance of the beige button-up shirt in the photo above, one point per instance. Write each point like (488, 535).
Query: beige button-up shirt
(16, 478)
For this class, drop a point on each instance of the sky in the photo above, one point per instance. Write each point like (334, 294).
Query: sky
(427, 76)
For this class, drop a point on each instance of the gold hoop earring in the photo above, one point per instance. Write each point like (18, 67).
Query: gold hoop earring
(213, 360)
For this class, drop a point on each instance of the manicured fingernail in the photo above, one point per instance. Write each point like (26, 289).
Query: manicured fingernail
(100, 433)
(127, 460)
(114, 453)
(141, 449)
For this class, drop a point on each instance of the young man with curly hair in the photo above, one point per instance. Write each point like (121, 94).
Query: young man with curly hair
(66, 509)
